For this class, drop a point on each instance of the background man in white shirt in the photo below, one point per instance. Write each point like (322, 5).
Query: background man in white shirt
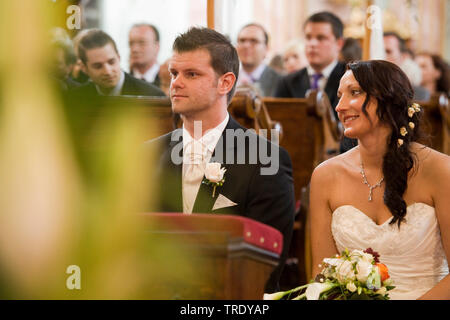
(323, 42)
(144, 49)
(101, 62)
(252, 46)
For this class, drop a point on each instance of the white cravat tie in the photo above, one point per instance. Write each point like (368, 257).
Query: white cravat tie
(193, 172)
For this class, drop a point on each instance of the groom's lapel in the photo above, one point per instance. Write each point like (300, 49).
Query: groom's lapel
(172, 183)
(205, 201)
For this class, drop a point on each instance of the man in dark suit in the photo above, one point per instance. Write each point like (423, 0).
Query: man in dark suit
(143, 40)
(323, 42)
(101, 62)
(252, 46)
(256, 184)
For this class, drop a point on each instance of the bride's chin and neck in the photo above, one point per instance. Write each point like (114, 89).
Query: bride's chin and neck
(372, 146)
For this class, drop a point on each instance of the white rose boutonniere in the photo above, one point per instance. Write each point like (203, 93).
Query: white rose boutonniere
(214, 175)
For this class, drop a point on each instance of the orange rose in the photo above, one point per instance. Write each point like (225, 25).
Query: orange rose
(384, 274)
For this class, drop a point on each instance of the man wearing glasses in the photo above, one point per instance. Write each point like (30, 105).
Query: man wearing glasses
(252, 46)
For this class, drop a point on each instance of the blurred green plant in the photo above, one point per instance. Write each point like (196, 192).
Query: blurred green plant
(70, 194)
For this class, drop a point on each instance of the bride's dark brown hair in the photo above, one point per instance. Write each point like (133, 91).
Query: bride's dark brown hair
(390, 86)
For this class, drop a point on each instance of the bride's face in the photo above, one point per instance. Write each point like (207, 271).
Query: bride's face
(349, 109)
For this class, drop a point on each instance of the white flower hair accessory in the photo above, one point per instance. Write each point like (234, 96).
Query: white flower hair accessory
(403, 131)
(214, 175)
(415, 107)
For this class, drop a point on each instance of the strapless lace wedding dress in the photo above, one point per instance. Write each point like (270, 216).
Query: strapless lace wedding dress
(413, 254)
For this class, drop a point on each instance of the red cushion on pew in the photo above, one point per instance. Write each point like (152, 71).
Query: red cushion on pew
(253, 232)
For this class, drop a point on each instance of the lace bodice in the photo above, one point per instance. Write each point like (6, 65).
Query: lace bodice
(414, 253)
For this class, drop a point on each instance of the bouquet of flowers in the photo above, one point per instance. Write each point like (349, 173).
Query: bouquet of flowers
(355, 275)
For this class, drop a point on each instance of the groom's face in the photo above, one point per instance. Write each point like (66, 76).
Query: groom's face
(193, 86)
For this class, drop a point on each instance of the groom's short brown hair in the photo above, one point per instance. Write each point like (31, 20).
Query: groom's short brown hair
(224, 57)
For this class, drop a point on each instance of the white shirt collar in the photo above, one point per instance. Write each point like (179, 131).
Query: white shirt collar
(210, 138)
(149, 75)
(117, 89)
(325, 72)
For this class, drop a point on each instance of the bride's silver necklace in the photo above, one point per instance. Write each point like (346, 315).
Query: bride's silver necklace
(367, 183)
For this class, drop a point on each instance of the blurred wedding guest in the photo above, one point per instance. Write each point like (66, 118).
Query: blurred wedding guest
(252, 48)
(63, 59)
(164, 77)
(101, 62)
(277, 64)
(323, 42)
(435, 72)
(77, 74)
(397, 52)
(294, 57)
(351, 51)
(144, 48)
(59, 34)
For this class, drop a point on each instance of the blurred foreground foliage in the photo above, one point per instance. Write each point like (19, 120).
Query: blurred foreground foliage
(72, 188)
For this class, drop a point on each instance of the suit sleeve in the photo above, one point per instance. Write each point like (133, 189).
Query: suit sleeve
(282, 89)
(154, 91)
(157, 92)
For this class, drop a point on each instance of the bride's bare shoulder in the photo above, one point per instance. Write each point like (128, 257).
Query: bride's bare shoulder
(334, 166)
(431, 162)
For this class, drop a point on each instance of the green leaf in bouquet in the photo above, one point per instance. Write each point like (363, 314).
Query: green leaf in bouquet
(388, 288)
(356, 296)
(380, 297)
(332, 294)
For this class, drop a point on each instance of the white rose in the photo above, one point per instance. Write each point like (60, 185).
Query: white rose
(367, 257)
(213, 172)
(344, 271)
(363, 269)
(351, 286)
(356, 255)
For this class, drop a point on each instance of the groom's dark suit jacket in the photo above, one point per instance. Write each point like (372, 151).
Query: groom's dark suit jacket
(266, 198)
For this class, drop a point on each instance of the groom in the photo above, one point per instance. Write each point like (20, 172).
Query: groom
(257, 182)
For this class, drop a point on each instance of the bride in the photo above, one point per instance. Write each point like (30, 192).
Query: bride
(389, 193)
